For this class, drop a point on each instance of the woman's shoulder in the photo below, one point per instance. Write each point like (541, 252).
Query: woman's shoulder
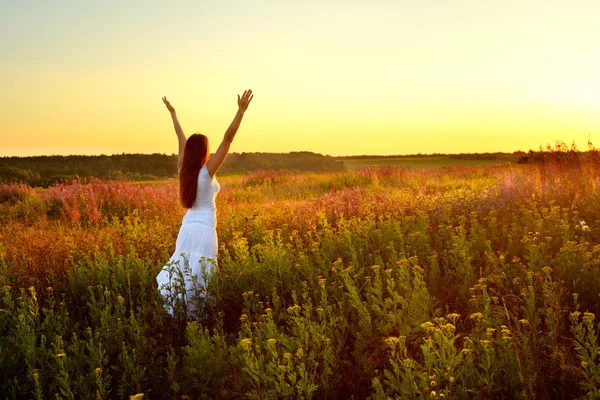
(203, 174)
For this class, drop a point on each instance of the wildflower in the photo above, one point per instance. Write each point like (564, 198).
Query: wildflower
(584, 364)
(299, 352)
(476, 315)
(418, 270)
(243, 317)
(432, 394)
(449, 327)
(272, 341)
(293, 308)
(120, 299)
(490, 331)
(246, 343)
(287, 356)
(524, 322)
(547, 270)
(375, 267)
(136, 396)
(465, 351)
(61, 355)
(267, 310)
(484, 341)
(319, 309)
(453, 316)
(427, 325)
(392, 340)
(322, 281)
(98, 371)
(575, 314)
(588, 315)
(388, 271)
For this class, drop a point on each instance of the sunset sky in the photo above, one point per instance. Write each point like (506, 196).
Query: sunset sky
(339, 78)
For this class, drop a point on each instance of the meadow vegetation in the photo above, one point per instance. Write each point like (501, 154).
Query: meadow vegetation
(456, 282)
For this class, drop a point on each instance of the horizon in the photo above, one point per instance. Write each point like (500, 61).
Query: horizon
(366, 78)
(515, 152)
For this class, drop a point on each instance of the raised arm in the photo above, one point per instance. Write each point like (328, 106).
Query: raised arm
(215, 162)
(180, 135)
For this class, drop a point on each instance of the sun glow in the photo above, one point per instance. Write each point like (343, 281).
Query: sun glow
(365, 77)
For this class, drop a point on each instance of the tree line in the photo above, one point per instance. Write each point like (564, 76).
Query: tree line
(46, 170)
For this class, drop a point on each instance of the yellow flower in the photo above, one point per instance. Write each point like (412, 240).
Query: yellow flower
(120, 299)
(272, 341)
(453, 316)
(484, 341)
(546, 270)
(293, 308)
(243, 317)
(136, 396)
(98, 371)
(427, 325)
(61, 355)
(319, 309)
(246, 343)
(418, 270)
(375, 267)
(524, 322)
(584, 364)
(287, 356)
(476, 315)
(268, 310)
(299, 352)
(392, 340)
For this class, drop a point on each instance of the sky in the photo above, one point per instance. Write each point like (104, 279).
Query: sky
(332, 77)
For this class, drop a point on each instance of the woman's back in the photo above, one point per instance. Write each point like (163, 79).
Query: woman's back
(206, 193)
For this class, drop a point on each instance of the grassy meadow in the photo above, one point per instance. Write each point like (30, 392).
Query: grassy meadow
(354, 164)
(382, 282)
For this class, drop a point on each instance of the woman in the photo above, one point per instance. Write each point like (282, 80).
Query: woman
(196, 246)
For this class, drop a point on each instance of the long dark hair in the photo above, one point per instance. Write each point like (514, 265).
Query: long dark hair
(195, 156)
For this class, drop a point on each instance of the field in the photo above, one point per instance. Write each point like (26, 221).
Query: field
(456, 282)
(354, 164)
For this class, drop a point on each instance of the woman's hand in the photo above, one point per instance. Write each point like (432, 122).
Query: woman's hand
(170, 107)
(244, 101)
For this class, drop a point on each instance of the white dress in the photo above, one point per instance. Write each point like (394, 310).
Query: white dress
(196, 245)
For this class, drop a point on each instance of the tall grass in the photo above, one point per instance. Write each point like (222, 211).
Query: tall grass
(447, 283)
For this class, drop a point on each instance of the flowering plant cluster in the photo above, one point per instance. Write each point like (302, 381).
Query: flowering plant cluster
(383, 283)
